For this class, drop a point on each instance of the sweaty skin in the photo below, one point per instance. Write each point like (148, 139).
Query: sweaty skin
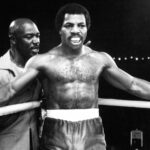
(70, 72)
(73, 82)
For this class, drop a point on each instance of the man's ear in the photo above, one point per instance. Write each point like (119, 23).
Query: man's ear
(12, 38)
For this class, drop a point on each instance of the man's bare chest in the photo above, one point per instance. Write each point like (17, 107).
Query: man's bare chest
(74, 70)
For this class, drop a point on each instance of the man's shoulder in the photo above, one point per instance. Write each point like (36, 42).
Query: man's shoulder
(5, 68)
(41, 59)
(54, 51)
(96, 53)
(101, 57)
(5, 61)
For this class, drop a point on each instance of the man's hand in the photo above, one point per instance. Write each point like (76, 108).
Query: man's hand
(88, 43)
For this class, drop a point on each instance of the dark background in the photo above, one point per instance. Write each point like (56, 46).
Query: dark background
(120, 28)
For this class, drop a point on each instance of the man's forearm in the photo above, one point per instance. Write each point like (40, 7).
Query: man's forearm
(141, 88)
(20, 82)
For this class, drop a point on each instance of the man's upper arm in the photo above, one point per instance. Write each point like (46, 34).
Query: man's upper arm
(5, 78)
(116, 76)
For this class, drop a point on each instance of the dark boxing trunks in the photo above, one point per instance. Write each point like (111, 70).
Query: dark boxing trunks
(66, 135)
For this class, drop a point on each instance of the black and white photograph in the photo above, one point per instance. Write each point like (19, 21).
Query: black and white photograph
(74, 75)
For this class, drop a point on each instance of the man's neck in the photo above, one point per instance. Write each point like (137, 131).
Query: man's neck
(16, 58)
(70, 52)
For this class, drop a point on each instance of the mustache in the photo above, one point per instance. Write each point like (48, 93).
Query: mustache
(75, 34)
(35, 47)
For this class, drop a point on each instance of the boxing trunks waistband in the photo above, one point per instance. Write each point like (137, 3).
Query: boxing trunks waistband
(73, 114)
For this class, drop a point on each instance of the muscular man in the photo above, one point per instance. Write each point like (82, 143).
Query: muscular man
(19, 131)
(70, 75)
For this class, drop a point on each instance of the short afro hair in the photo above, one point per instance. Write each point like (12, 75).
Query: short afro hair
(71, 8)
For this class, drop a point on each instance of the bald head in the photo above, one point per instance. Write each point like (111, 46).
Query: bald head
(24, 37)
(17, 26)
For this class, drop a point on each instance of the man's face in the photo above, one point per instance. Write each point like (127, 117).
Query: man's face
(28, 40)
(74, 30)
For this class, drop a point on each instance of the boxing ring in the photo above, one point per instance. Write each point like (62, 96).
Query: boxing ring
(124, 103)
(6, 110)
(10, 109)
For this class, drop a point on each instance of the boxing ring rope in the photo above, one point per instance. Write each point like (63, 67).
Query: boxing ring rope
(6, 110)
(10, 109)
(124, 103)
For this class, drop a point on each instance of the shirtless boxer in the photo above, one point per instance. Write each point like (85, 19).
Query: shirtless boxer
(70, 74)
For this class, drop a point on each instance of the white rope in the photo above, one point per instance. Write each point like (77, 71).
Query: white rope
(10, 109)
(124, 103)
(6, 110)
